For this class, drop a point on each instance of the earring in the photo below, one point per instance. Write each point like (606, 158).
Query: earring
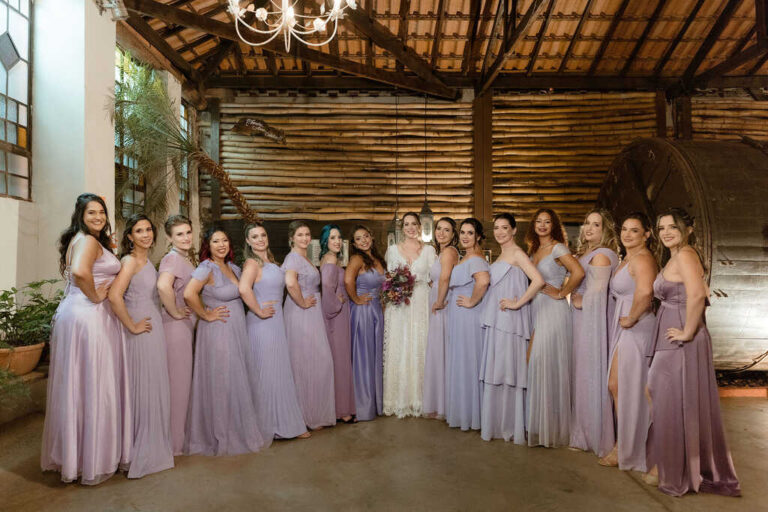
(131, 245)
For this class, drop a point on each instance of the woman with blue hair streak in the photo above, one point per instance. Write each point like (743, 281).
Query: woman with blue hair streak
(335, 305)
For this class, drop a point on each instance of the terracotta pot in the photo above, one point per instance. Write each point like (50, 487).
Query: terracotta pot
(21, 360)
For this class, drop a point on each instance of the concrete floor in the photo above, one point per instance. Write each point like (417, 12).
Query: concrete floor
(387, 464)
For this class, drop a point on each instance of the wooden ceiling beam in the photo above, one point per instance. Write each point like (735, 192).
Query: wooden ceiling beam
(537, 45)
(676, 41)
(402, 29)
(239, 61)
(500, 13)
(608, 36)
(438, 33)
(646, 31)
(759, 64)
(714, 34)
(751, 53)
(761, 22)
(227, 31)
(508, 45)
(212, 64)
(576, 35)
(474, 18)
(172, 31)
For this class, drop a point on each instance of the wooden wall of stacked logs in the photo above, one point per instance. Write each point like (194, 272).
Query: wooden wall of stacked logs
(729, 117)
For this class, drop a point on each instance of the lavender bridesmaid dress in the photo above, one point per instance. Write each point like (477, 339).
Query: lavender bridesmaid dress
(148, 378)
(433, 401)
(311, 358)
(367, 328)
(87, 430)
(629, 344)
(336, 315)
(269, 365)
(464, 349)
(222, 417)
(179, 337)
(686, 439)
(591, 409)
(549, 366)
(503, 368)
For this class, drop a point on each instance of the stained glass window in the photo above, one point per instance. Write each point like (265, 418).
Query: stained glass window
(15, 75)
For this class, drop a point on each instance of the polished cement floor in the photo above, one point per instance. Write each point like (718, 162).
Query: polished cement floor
(387, 464)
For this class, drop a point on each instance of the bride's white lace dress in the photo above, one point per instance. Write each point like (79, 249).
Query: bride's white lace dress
(405, 338)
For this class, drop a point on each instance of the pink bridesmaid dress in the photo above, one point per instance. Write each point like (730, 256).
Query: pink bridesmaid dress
(179, 337)
(336, 315)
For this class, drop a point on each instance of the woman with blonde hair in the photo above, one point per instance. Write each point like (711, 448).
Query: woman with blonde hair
(591, 411)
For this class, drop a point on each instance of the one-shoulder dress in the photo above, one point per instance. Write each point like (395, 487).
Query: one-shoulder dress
(504, 369)
(549, 366)
(686, 440)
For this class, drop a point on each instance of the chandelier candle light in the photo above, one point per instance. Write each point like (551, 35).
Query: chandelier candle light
(284, 20)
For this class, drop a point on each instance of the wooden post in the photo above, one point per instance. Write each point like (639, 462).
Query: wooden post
(213, 107)
(482, 112)
(683, 128)
(661, 114)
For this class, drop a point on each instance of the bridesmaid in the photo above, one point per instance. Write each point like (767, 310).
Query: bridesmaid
(549, 366)
(87, 431)
(406, 325)
(222, 417)
(311, 358)
(506, 319)
(446, 246)
(630, 331)
(686, 441)
(175, 270)
(335, 305)
(363, 279)
(269, 365)
(464, 344)
(591, 412)
(134, 300)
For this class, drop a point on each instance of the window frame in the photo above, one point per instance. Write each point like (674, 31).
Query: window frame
(123, 168)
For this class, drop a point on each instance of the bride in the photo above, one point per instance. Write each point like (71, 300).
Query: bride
(405, 326)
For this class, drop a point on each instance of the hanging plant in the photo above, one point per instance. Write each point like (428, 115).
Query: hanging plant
(153, 139)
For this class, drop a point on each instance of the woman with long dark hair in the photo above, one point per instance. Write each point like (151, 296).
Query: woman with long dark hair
(630, 330)
(591, 412)
(686, 442)
(269, 365)
(446, 246)
(222, 416)
(311, 358)
(174, 274)
(363, 279)
(134, 300)
(549, 365)
(335, 305)
(464, 348)
(87, 432)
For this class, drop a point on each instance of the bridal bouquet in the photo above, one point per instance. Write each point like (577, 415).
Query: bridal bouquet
(398, 286)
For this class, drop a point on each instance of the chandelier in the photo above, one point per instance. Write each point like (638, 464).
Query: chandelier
(284, 20)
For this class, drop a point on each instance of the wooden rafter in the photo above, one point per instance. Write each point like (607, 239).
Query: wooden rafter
(438, 33)
(709, 41)
(212, 64)
(751, 53)
(676, 41)
(227, 31)
(508, 45)
(537, 45)
(608, 36)
(759, 64)
(402, 29)
(474, 18)
(576, 36)
(237, 53)
(510, 13)
(646, 31)
(477, 44)
(169, 31)
(761, 22)
(492, 38)
(369, 49)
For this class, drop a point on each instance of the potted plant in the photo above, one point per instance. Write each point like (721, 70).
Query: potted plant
(25, 324)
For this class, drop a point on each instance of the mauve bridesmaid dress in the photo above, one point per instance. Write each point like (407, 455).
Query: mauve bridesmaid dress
(148, 378)
(308, 346)
(87, 430)
(269, 365)
(367, 326)
(179, 338)
(336, 315)
(686, 440)
(222, 416)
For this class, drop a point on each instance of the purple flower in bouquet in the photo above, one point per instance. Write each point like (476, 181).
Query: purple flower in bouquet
(398, 286)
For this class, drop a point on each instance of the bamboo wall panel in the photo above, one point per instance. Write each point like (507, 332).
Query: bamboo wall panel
(728, 118)
(554, 150)
(339, 161)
